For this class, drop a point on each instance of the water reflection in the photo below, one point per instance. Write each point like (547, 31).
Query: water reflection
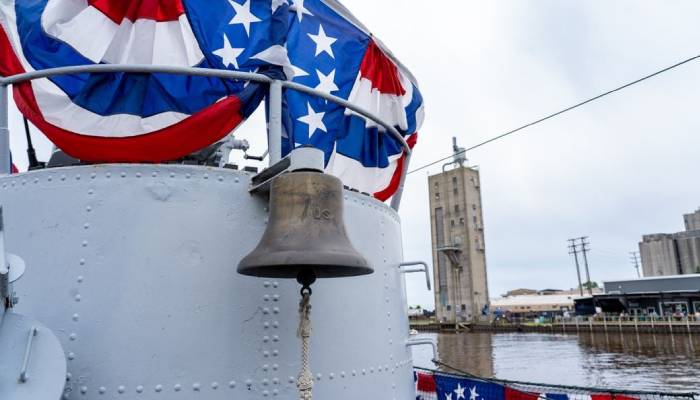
(641, 362)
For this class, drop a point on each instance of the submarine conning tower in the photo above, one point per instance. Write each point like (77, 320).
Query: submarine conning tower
(129, 288)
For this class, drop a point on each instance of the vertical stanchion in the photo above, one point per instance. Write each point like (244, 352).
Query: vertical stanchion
(590, 324)
(396, 199)
(274, 124)
(636, 324)
(577, 324)
(687, 323)
(5, 162)
(619, 324)
(605, 324)
(670, 327)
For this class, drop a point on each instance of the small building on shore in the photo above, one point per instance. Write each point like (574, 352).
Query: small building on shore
(662, 296)
(527, 303)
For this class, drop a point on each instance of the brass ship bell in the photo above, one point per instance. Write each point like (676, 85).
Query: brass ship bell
(305, 236)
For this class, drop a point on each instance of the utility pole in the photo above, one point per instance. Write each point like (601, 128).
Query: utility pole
(585, 247)
(573, 249)
(634, 257)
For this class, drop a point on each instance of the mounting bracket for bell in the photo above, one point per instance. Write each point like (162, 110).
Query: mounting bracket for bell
(300, 159)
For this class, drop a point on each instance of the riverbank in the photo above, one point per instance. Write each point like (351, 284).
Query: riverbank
(657, 326)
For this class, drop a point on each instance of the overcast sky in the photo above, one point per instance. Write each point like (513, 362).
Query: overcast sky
(622, 167)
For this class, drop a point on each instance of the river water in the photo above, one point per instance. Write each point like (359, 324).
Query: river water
(635, 362)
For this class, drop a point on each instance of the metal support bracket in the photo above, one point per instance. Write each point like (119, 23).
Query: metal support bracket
(425, 342)
(423, 267)
(23, 375)
(303, 158)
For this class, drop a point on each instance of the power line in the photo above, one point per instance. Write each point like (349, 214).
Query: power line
(634, 257)
(550, 116)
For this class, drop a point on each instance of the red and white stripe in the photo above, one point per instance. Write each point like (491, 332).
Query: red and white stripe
(383, 89)
(56, 108)
(124, 32)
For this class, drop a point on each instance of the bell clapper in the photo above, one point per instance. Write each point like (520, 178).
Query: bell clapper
(305, 381)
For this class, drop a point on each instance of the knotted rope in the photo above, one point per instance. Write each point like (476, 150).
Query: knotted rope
(305, 381)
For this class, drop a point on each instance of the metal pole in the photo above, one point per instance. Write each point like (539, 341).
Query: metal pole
(274, 126)
(396, 199)
(574, 251)
(585, 262)
(5, 162)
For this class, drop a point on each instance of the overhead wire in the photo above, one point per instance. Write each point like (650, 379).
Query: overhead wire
(555, 114)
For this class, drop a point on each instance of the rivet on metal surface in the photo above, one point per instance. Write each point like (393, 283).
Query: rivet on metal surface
(177, 387)
(354, 373)
(154, 174)
(86, 226)
(76, 317)
(266, 339)
(265, 367)
(63, 178)
(266, 325)
(319, 377)
(123, 174)
(275, 367)
(82, 261)
(77, 177)
(108, 174)
(71, 356)
(276, 381)
(276, 324)
(91, 191)
(266, 297)
(138, 174)
(266, 284)
(83, 389)
(248, 382)
(221, 178)
(265, 393)
(275, 353)
(275, 338)
(159, 388)
(85, 243)
(275, 392)
(188, 175)
(69, 376)
(291, 379)
(36, 180)
(139, 389)
(93, 175)
(236, 180)
(331, 376)
(266, 310)
(102, 390)
(88, 208)
(266, 353)
(215, 385)
(364, 372)
(80, 279)
(196, 387)
(172, 174)
(121, 389)
(232, 384)
(73, 336)
(206, 176)
(265, 382)
(276, 310)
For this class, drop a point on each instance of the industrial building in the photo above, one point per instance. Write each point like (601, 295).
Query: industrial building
(664, 296)
(459, 258)
(666, 254)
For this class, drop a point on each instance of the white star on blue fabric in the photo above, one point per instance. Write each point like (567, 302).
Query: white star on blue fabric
(229, 55)
(243, 15)
(448, 396)
(313, 119)
(459, 392)
(326, 82)
(323, 42)
(473, 394)
(298, 6)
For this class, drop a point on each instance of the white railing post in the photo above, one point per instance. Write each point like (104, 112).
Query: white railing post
(5, 159)
(274, 125)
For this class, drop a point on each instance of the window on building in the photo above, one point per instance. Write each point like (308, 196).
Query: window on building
(437, 195)
(473, 206)
(474, 219)
(454, 180)
(436, 184)
(461, 221)
(449, 307)
(455, 191)
(457, 208)
(464, 307)
(452, 222)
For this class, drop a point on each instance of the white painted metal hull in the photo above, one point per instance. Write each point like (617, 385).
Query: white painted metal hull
(133, 267)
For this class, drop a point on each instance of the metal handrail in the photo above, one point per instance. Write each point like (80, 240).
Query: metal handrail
(275, 97)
